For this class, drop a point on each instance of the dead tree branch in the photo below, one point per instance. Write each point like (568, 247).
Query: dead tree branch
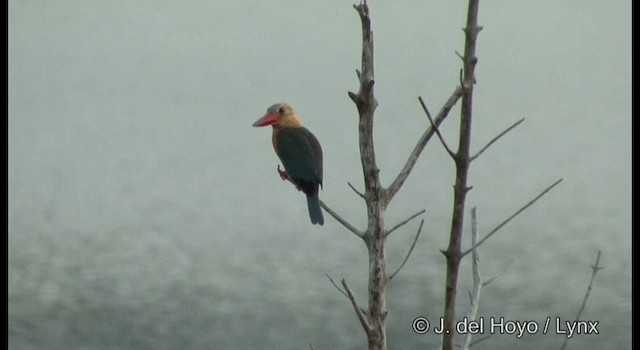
(435, 127)
(335, 285)
(361, 315)
(496, 139)
(405, 222)
(375, 323)
(422, 143)
(511, 217)
(479, 340)
(356, 191)
(594, 269)
(462, 159)
(349, 295)
(474, 296)
(413, 245)
(345, 223)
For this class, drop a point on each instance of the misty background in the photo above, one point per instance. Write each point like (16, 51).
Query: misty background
(146, 213)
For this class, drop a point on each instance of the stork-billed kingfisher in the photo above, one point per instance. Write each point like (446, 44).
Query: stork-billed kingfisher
(300, 153)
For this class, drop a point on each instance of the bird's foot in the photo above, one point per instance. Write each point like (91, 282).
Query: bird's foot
(283, 174)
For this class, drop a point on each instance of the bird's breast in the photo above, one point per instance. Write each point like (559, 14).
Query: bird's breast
(274, 140)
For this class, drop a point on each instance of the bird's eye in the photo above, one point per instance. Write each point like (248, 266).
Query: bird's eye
(281, 110)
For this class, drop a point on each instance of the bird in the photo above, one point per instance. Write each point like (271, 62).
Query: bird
(300, 153)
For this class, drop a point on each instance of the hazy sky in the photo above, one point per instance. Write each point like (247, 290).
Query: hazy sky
(127, 114)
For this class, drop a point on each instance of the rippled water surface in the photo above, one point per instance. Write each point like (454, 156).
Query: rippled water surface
(146, 213)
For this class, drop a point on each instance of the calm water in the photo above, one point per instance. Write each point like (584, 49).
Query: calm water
(145, 212)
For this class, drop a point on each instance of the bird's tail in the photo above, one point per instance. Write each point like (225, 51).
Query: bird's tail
(315, 212)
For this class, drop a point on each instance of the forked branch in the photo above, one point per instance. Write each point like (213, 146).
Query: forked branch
(346, 291)
(422, 143)
(361, 316)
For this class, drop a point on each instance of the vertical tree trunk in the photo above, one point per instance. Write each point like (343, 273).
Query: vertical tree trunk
(378, 279)
(462, 159)
(374, 193)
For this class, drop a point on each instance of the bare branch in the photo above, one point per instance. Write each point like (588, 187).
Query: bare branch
(404, 222)
(364, 99)
(361, 316)
(511, 217)
(489, 281)
(285, 177)
(366, 104)
(435, 127)
(344, 222)
(421, 144)
(409, 252)
(453, 252)
(475, 262)
(496, 139)
(354, 97)
(335, 285)
(374, 322)
(356, 191)
(474, 295)
(595, 268)
(479, 340)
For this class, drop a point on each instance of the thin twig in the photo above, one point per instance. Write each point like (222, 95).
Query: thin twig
(285, 176)
(496, 139)
(595, 268)
(421, 144)
(335, 285)
(479, 340)
(405, 222)
(510, 218)
(489, 281)
(344, 222)
(435, 127)
(409, 252)
(361, 316)
(356, 191)
(474, 295)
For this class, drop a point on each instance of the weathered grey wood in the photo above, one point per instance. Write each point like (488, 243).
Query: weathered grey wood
(462, 159)
(474, 295)
(366, 103)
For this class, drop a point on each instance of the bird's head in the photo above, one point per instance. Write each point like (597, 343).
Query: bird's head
(279, 115)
